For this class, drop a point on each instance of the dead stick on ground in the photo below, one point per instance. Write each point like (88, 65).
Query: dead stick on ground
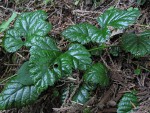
(107, 94)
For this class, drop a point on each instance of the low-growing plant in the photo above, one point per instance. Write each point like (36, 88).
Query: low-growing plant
(48, 64)
(128, 102)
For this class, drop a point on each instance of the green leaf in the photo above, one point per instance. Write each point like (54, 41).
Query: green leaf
(136, 45)
(80, 56)
(118, 18)
(87, 110)
(85, 33)
(12, 41)
(5, 24)
(127, 101)
(33, 23)
(28, 26)
(66, 91)
(63, 64)
(77, 57)
(97, 74)
(17, 95)
(145, 34)
(24, 76)
(41, 62)
(83, 94)
(44, 44)
(97, 50)
(137, 71)
(49, 64)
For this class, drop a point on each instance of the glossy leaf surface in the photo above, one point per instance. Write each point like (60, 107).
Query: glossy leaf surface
(49, 64)
(24, 76)
(17, 95)
(85, 33)
(126, 103)
(77, 57)
(12, 40)
(83, 94)
(28, 26)
(136, 45)
(97, 74)
(118, 18)
(41, 62)
(33, 23)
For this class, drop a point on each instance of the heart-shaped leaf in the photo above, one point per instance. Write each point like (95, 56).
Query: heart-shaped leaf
(28, 26)
(127, 101)
(17, 95)
(136, 45)
(97, 74)
(118, 18)
(85, 33)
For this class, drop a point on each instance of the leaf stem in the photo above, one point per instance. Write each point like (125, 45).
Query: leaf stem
(97, 48)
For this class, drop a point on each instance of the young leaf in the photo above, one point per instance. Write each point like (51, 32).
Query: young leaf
(77, 57)
(85, 33)
(27, 27)
(97, 74)
(5, 25)
(17, 95)
(118, 18)
(136, 45)
(24, 76)
(83, 94)
(137, 71)
(41, 62)
(127, 101)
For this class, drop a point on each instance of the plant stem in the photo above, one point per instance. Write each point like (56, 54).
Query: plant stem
(97, 48)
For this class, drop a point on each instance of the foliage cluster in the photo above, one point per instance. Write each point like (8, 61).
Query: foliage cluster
(48, 64)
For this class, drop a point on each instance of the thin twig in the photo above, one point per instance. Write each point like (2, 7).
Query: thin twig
(7, 79)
